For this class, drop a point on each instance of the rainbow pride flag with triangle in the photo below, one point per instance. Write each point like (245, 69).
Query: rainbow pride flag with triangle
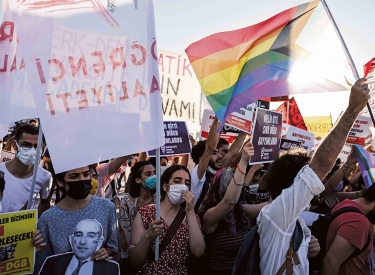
(366, 162)
(293, 52)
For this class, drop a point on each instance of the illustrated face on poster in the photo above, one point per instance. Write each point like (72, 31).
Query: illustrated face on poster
(86, 239)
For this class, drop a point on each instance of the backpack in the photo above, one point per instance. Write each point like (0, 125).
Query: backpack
(248, 257)
(319, 229)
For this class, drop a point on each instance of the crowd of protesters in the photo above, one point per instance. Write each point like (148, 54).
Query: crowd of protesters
(205, 212)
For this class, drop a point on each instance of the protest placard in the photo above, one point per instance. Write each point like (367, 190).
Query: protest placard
(16, 251)
(242, 119)
(6, 156)
(345, 151)
(297, 134)
(88, 84)
(176, 140)
(286, 144)
(266, 136)
(359, 130)
(229, 133)
(318, 125)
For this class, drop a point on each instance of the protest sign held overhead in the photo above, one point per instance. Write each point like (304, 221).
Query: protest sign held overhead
(318, 125)
(16, 251)
(343, 156)
(266, 136)
(296, 51)
(359, 131)
(180, 90)
(286, 144)
(306, 138)
(229, 133)
(176, 140)
(91, 84)
(242, 119)
(292, 114)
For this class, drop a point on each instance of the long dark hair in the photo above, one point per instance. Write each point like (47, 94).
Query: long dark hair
(137, 169)
(167, 176)
(236, 219)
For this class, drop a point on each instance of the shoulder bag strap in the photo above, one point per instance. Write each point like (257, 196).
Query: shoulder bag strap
(172, 230)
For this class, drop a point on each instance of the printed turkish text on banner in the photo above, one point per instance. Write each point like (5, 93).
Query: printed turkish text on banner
(16, 251)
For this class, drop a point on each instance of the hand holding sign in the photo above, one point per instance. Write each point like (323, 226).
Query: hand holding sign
(247, 152)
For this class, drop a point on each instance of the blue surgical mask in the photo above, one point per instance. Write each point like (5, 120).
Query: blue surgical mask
(150, 183)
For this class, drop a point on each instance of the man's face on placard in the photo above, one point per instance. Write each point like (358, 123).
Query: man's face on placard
(86, 239)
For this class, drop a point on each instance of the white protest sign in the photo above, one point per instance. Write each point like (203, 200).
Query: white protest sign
(180, 90)
(360, 130)
(345, 151)
(242, 119)
(92, 85)
(297, 134)
(207, 120)
(285, 129)
(6, 156)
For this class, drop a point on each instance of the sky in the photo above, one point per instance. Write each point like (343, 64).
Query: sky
(182, 22)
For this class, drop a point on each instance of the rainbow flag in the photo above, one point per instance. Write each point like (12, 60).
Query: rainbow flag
(236, 68)
(366, 163)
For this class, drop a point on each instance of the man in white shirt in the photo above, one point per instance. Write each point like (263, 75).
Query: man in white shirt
(292, 181)
(18, 174)
(86, 239)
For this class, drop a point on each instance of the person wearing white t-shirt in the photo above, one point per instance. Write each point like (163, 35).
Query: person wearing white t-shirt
(18, 174)
(293, 180)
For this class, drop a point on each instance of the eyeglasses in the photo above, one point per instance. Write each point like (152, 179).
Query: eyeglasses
(27, 146)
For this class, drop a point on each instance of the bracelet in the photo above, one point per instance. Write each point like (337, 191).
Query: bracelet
(239, 169)
(242, 184)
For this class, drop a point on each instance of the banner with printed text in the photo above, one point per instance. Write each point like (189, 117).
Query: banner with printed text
(176, 140)
(242, 119)
(93, 74)
(228, 133)
(266, 136)
(318, 125)
(306, 138)
(16, 251)
(6, 156)
(359, 131)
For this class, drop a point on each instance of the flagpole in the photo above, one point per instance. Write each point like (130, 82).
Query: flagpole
(287, 111)
(36, 163)
(347, 53)
(157, 206)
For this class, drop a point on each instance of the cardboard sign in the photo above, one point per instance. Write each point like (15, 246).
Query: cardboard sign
(306, 138)
(263, 104)
(176, 140)
(6, 156)
(16, 251)
(242, 119)
(229, 133)
(345, 151)
(266, 136)
(286, 144)
(359, 130)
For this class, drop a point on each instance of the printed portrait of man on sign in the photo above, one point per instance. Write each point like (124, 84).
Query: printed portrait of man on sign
(86, 239)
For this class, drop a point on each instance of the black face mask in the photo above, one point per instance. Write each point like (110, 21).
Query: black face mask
(371, 216)
(78, 190)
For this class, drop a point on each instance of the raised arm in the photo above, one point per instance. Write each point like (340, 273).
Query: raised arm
(115, 164)
(212, 217)
(233, 150)
(335, 179)
(329, 149)
(211, 144)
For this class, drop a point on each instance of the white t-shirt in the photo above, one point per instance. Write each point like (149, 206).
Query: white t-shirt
(277, 222)
(196, 184)
(16, 191)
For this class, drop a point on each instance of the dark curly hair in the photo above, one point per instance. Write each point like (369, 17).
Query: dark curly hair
(136, 170)
(236, 219)
(284, 169)
(198, 150)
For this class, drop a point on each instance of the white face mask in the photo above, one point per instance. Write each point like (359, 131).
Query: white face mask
(175, 192)
(26, 156)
